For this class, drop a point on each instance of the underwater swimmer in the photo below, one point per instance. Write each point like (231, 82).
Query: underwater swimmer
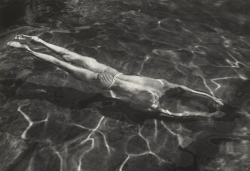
(142, 93)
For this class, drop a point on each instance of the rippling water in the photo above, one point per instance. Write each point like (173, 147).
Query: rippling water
(50, 121)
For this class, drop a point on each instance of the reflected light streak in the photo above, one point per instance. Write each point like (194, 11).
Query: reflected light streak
(223, 78)
(60, 158)
(205, 83)
(142, 65)
(96, 130)
(156, 130)
(31, 123)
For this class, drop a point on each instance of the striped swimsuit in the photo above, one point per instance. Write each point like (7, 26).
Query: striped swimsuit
(107, 78)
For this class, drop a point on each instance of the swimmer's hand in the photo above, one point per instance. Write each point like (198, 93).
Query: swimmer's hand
(24, 37)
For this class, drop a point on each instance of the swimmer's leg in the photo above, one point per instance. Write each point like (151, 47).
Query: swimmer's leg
(77, 72)
(72, 57)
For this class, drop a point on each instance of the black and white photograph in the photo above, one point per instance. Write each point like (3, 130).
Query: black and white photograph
(124, 85)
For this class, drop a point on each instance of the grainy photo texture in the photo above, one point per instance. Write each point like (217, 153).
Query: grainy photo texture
(124, 85)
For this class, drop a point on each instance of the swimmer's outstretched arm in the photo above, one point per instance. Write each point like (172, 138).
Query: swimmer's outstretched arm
(172, 85)
(201, 93)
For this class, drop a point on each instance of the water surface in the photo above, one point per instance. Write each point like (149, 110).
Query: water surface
(50, 121)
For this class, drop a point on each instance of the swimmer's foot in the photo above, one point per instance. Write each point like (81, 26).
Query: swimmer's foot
(217, 114)
(18, 45)
(25, 37)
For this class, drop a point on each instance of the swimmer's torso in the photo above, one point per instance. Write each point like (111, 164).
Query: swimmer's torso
(140, 92)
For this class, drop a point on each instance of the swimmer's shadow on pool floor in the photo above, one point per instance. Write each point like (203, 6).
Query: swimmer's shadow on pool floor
(76, 100)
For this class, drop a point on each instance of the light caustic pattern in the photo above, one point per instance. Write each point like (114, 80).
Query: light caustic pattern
(30, 122)
(62, 153)
(96, 137)
(198, 45)
(191, 64)
(230, 59)
(149, 140)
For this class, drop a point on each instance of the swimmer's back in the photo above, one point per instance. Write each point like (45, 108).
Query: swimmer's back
(141, 97)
